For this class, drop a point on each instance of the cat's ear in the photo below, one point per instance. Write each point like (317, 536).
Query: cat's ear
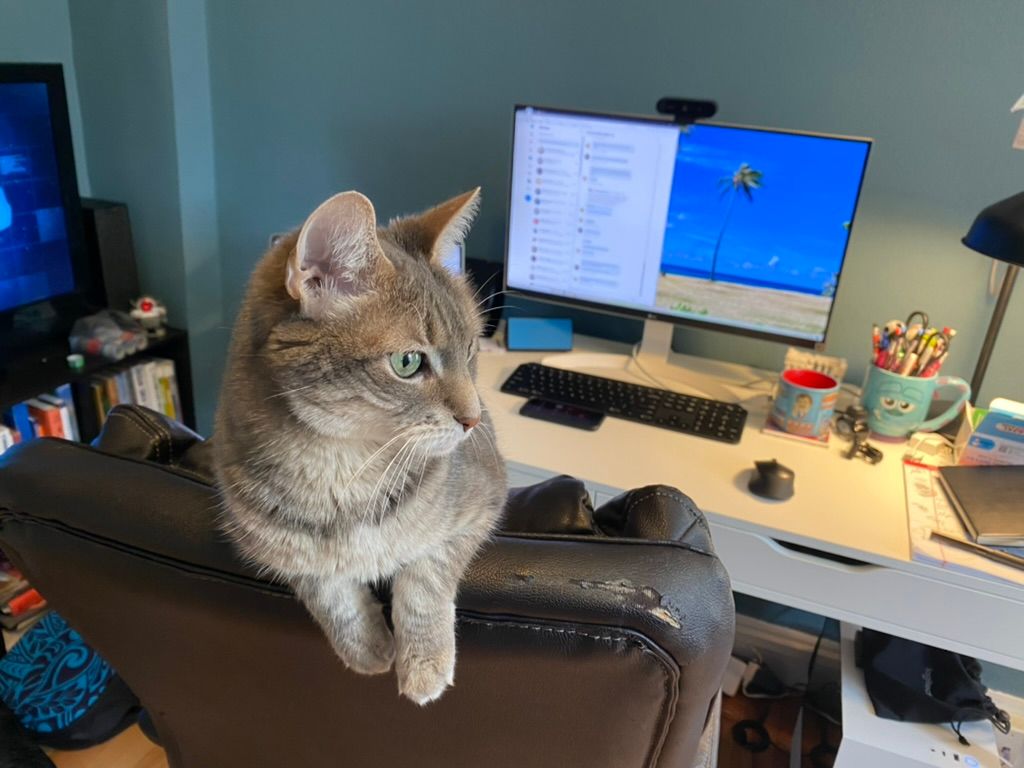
(436, 231)
(337, 253)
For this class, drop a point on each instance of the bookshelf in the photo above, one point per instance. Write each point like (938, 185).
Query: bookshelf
(45, 368)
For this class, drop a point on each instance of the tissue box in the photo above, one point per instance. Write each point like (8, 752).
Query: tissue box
(998, 437)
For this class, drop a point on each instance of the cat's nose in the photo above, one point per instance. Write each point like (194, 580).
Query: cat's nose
(467, 422)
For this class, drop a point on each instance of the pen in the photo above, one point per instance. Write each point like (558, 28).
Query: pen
(929, 353)
(935, 365)
(992, 554)
(893, 348)
(908, 364)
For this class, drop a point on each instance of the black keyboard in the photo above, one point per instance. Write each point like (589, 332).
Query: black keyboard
(647, 405)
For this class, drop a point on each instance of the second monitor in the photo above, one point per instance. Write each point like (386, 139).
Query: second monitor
(733, 228)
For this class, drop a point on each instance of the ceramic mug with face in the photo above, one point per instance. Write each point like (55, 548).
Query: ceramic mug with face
(898, 405)
(804, 403)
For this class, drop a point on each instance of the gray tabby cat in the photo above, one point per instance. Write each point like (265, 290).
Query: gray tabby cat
(351, 445)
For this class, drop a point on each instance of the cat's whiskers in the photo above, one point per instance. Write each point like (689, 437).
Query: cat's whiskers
(292, 391)
(371, 507)
(482, 315)
(400, 474)
(472, 441)
(405, 472)
(488, 298)
(484, 285)
(366, 463)
(488, 435)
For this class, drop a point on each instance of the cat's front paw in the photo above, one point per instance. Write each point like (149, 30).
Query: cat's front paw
(424, 677)
(367, 647)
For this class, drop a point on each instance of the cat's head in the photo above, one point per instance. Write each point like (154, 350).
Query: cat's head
(383, 340)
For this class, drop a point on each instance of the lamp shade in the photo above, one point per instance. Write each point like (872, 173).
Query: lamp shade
(998, 231)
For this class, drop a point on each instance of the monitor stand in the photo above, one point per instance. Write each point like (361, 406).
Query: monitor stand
(651, 361)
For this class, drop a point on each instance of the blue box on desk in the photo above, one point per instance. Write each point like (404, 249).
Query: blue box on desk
(998, 439)
(539, 334)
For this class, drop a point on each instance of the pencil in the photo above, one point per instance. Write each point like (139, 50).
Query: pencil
(992, 554)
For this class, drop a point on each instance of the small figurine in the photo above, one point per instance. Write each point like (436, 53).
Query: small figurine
(852, 425)
(151, 314)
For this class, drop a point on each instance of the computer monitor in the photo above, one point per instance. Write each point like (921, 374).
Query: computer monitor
(726, 227)
(41, 237)
(455, 260)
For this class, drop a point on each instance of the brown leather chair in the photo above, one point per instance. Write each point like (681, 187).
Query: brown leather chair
(586, 638)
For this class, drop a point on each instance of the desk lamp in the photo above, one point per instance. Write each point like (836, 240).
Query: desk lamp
(998, 231)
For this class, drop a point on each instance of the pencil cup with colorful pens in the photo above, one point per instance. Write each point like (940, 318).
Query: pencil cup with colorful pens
(904, 377)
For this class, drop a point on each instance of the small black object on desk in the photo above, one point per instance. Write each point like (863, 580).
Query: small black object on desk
(771, 480)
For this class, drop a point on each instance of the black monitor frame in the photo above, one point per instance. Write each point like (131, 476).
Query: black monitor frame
(631, 313)
(21, 326)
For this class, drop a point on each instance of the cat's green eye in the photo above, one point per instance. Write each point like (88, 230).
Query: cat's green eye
(405, 364)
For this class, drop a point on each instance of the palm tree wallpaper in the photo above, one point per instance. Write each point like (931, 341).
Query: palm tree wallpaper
(745, 178)
(759, 209)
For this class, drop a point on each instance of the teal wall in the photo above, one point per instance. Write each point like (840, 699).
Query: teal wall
(145, 104)
(411, 102)
(39, 31)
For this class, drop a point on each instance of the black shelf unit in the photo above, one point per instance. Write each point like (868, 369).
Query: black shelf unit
(45, 368)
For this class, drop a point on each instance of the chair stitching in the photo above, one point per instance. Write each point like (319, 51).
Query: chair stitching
(165, 438)
(659, 662)
(146, 427)
(675, 496)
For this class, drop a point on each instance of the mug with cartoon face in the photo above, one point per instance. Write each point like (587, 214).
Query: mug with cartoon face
(804, 403)
(898, 405)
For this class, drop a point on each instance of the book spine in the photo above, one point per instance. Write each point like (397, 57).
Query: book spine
(46, 418)
(98, 391)
(124, 387)
(64, 393)
(152, 386)
(172, 381)
(63, 410)
(138, 385)
(169, 389)
(110, 381)
(22, 421)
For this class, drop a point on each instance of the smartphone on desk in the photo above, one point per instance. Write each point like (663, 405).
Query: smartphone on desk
(566, 415)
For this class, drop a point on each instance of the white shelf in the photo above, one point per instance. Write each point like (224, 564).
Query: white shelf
(869, 740)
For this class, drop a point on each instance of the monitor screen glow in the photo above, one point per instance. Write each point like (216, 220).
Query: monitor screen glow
(738, 229)
(35, 256)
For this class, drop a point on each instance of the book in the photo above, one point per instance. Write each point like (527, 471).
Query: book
(152, 385)
(113, 397)
(989, 500)
(99, 393)
(138, 379)
(46, 418)
(7, 437)
(167, 381)
(70, 430)
(22, 421)
(64, 393)
(124, 386)
(144, 385)
(929, 512)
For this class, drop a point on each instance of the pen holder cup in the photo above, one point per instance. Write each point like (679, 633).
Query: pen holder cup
(804, 403)
(898, 405)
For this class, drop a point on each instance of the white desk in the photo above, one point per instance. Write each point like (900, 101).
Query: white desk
(841, 507)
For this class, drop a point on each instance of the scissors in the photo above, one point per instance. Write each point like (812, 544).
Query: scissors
(922, 316)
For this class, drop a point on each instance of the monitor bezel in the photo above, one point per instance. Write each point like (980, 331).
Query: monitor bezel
(629, 312)
(52, 76)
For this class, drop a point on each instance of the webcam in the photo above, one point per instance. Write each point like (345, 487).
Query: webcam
(686, 111)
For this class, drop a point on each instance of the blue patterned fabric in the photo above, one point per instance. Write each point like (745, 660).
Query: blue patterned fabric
(51, 678)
